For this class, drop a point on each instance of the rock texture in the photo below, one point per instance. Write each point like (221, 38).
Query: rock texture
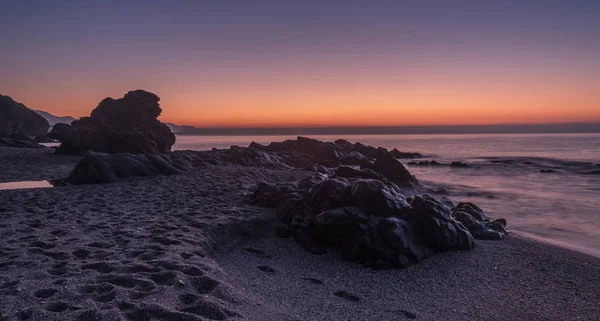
(98, 168)
(16, 119)
(342, 158)
(19, 142)
(372, 222)
(125, 125)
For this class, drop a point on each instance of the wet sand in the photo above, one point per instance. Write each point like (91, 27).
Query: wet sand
(517, 279)
(189, 247)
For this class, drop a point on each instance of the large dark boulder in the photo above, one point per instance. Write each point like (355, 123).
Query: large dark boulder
(351, 172)
(480, 226)
(390, 167)
(251, 156)
(397, 242)
(100, 168)
(319, 150)
(437, 227)
(16, 119)
(368, 220)
(399, 154)
(125, 125)
(377, 198)
(19, 142)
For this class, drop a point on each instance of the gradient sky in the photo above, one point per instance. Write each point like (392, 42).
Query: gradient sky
(309, 63)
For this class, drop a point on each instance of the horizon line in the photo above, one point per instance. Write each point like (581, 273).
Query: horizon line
(596, 122)
(396, 130)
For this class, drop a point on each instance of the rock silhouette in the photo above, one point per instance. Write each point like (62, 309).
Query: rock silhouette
(125, 125)
(372, 222)
(99, 168)
(19, 122)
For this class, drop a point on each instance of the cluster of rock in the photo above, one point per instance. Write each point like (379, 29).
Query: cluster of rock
(371, 222)
(19, 125)
(454, 164)
(355, 200)
(125, 125)
(340, 157)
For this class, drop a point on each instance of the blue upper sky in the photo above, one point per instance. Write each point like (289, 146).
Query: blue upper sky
(50, 47)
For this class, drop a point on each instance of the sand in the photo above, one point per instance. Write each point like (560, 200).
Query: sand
(189, 247)
(517, 279)
(26, 164)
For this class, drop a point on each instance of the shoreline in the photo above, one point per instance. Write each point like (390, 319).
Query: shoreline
(558, 244)
(184, 247)
(39, 165)
(517, 279)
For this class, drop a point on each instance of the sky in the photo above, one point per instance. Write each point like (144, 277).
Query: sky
(309, 63)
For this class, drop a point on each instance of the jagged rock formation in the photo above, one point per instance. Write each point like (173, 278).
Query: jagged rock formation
(125, 125)
(371, 222)
(20, 122)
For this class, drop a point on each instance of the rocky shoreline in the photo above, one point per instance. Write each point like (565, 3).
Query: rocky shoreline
(359, 199)
(167, 247)
(135, 231)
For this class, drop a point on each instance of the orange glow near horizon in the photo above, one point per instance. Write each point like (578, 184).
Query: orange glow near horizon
(376, 99)
(310, 63)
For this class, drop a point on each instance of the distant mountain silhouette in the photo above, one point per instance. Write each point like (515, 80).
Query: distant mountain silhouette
(395, 130)
(369, 130)
(53, 120)
(17, 119)
(176, 129)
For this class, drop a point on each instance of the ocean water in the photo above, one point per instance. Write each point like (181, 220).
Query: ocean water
(560, 207)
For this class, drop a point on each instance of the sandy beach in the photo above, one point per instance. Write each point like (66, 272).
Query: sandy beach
(190, 247)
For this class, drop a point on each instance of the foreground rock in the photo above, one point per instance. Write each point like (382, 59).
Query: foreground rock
(19, 142)
(354, 202)
(126, 125)
(99, 168)
(371, 222)
(473, 217)
(341, 157)
(19, 125)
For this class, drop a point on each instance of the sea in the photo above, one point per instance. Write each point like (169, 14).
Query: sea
(547, 186)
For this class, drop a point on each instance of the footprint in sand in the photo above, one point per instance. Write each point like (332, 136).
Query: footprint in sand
(347, 295)
(257, 252)
(57, 307)
(266, 268)
(313, 280)
(44, 293)
(408, 314)
(204, 284)
(81, 253)
(185, 255)
(188, 298)
(164, 278)
(100, 267)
